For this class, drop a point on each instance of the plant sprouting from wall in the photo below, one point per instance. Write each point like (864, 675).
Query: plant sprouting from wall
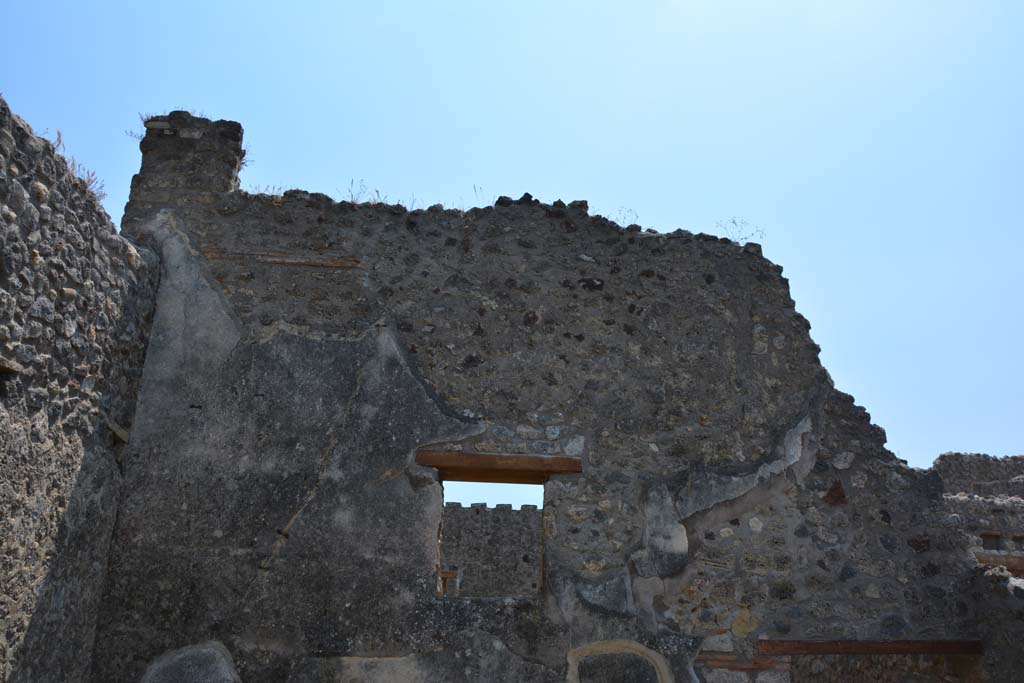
(93, 184)
(739, 230)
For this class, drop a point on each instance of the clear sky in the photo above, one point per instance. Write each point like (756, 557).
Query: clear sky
(877, 145)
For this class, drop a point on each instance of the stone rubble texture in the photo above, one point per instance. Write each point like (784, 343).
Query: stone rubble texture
(76, 300)
(302, 350)
(495, 552)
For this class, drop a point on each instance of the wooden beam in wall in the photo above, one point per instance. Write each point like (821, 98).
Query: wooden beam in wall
(1015, 563)
(870, 647)
(502, 468)
(281, 259)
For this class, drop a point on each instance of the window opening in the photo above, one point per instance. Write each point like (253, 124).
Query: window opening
(516, 495)
(492, 548)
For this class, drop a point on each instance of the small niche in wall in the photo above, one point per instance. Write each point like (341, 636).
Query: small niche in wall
(991, 541)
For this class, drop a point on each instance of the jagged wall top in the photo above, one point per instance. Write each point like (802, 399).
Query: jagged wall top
(182, 156)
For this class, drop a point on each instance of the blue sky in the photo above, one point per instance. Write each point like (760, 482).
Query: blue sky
(877, 145)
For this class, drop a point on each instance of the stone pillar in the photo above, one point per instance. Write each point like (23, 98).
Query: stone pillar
(185, 160)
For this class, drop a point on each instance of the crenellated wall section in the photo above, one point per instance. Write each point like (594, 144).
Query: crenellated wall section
(495, 552)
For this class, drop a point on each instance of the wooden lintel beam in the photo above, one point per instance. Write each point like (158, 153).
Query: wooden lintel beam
(1015, 563)
(339, 263)
(322, 261)
(492, 477)
(507, 468)
(870, 647)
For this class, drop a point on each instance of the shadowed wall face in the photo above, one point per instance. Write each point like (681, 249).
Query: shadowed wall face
(75, 303)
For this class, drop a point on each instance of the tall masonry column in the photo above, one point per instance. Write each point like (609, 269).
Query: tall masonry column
(186, 160)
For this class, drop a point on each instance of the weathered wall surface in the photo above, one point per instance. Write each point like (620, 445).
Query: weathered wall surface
(303, 349)
(496, 551)
(75, 301)
(981, 474)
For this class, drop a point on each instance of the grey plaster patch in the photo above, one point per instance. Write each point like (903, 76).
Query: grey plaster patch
(284, 432)
(208, 662)
(843, 460)
(611, 593)
(666, 546)
(718, 488)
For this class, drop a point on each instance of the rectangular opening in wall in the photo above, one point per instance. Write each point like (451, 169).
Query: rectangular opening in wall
(991, 542)
(492, 548)
(516, 495)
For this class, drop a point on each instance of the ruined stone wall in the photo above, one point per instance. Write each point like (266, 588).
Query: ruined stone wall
(496, 551)
(75, 302)
(304, 349)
